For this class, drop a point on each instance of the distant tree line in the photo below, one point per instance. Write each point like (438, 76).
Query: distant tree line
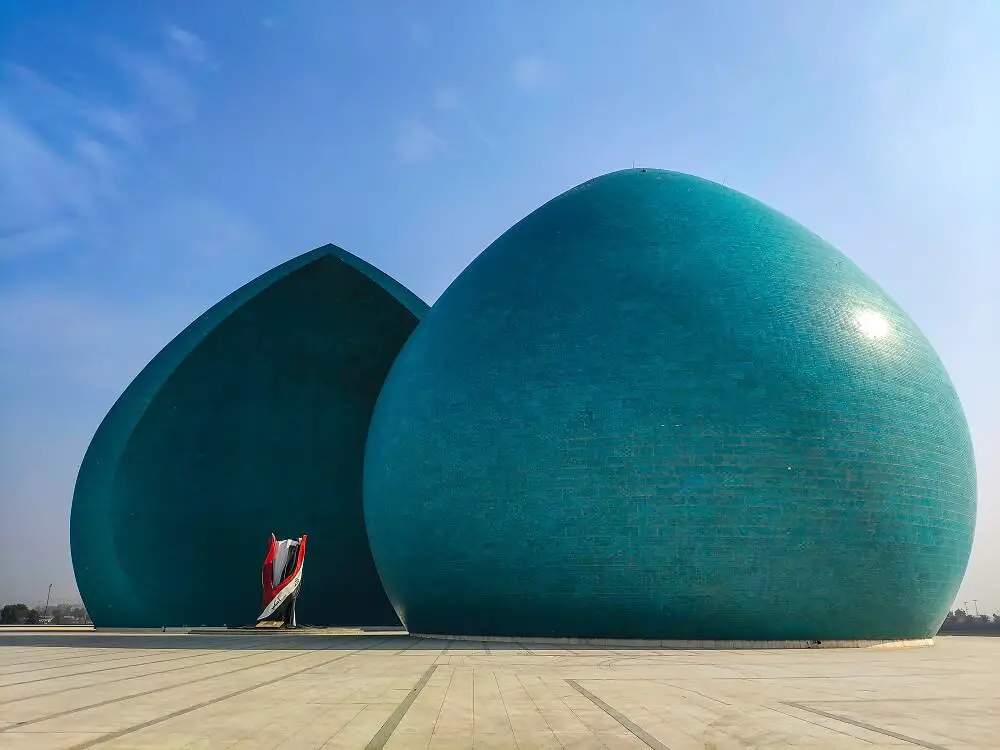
(957, 622)
(60, 614)
(69, 614)
(19, 614)
(961, 621)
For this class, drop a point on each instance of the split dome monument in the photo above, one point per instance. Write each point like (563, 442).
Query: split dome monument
(654, 408)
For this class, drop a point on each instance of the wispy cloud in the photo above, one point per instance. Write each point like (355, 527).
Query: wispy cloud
(121, 124)
(186, 44)
(66, 151)
(448, 100)
(37, 100)
(45, 188)
(157, 84)
(532, 73)
(24, 241)
(416, 142)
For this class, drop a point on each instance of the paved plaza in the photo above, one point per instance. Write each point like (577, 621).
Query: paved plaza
(388, 690)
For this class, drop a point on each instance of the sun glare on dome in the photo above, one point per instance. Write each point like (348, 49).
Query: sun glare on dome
(871, 324)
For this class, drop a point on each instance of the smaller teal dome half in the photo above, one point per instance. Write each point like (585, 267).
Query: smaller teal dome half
(657, 408)
(251, 421)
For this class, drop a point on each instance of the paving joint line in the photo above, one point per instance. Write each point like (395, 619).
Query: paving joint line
(385, 731)
(194, 654)
(814, 722)
(865, 725)
(59, 666)
(534, 703)
(444, 651)
(50, 678)
(444, 700)
(640, 734)
(503, 702)
(4, 665)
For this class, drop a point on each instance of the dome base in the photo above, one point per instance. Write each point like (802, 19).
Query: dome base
(687, 645)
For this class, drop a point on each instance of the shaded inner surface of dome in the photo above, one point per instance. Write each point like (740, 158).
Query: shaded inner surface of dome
(251, 421)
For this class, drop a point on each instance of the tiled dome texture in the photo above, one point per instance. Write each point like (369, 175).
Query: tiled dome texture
(657, 408)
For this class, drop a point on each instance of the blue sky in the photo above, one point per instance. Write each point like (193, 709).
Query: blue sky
(155, 156)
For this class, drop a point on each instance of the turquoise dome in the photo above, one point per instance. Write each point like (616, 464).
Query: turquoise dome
(252, 420)
(657, 408)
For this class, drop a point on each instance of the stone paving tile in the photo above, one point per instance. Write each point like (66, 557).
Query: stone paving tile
(344, 691)
(16, 702)
(360, 730)
(128, 710)
(418, 724)
(51, 741)
(964, 726)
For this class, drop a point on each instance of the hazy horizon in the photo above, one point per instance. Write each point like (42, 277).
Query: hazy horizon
(154, 157)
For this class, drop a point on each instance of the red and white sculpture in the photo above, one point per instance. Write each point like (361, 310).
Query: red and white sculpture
(282, 581)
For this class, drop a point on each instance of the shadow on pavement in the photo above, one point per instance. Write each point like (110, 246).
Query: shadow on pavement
(304, 640)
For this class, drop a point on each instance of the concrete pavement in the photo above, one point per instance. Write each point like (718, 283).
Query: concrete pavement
(388, 690)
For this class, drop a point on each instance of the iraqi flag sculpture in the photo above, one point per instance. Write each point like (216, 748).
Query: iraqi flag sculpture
(282, 581)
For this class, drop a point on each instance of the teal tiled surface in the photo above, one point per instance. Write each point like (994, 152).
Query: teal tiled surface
(253, 420)
(656, 408)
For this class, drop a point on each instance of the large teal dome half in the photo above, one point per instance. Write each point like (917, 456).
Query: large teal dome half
(657, 408)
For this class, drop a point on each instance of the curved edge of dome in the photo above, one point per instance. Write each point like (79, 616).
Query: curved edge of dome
(90, 536)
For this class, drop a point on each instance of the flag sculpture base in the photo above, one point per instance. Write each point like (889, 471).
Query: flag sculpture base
(282, 581)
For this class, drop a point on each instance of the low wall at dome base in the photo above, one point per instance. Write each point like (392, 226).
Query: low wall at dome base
(684, 645)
